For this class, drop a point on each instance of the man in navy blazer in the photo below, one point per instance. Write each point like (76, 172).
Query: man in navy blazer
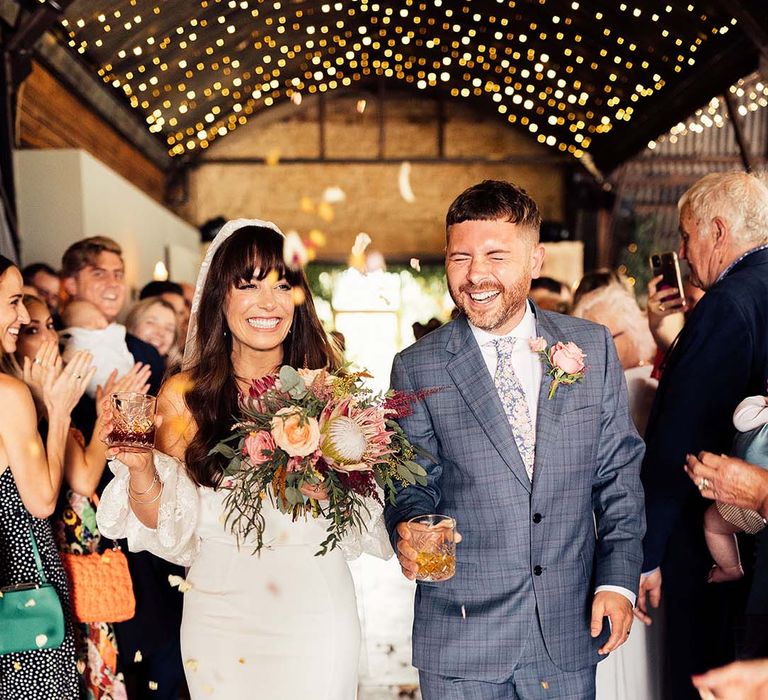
(720, 358)
(544, 559)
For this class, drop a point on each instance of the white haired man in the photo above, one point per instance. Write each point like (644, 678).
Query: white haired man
(720, 357)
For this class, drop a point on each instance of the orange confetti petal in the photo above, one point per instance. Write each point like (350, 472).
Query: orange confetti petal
(272, 278)
(325, 211)
(317, 237)
(297, 293)
(273, 157)
(307, 205)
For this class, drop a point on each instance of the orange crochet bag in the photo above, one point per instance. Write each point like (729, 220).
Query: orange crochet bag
(101, 586)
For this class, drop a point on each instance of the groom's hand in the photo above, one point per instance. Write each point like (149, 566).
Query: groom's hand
(406, 554)
(618, 610)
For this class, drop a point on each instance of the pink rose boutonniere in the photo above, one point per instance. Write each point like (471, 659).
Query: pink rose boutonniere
(564, 362)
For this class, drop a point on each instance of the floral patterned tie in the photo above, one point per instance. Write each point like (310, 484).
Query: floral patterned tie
(513, 400)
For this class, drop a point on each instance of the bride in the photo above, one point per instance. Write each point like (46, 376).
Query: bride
(282, 624)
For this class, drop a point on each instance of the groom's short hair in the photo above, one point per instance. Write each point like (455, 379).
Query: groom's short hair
(495, 200)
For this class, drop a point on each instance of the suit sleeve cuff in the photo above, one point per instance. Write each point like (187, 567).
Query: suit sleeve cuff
(631, 597)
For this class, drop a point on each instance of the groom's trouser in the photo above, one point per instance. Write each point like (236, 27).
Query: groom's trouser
(534, 678)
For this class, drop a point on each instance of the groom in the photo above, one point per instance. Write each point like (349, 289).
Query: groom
(546, 492)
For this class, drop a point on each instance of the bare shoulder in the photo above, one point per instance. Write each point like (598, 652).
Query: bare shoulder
(12, 388)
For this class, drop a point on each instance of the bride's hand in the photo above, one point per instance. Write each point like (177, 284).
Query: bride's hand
(138, 461)
(316, 491)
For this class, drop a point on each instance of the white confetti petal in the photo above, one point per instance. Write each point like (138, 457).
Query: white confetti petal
(416, 264)
(404, 181)
(41, 639)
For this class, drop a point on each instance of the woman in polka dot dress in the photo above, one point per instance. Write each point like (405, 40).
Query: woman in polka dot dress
(30, 477)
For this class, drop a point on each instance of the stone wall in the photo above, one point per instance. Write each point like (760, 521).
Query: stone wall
(270, 168)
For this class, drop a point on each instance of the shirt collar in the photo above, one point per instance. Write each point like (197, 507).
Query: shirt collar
(525, 329)
(739, 259)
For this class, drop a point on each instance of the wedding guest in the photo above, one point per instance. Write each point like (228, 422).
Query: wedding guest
(551, 294)
(598, 278)
(92, 270)
(46, 282)
(248, 621)
(154, 321)
(421, 329)
(74, 518)
(719, 357)
(616, 308)
(173, 293)
(531, 470)
(29, 485)
(86, 328)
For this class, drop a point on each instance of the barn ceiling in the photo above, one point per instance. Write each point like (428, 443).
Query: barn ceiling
(589, 78)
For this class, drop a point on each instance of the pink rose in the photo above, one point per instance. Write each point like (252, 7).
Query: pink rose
(567, 357)
(537, 344)
(297, 434)
(256, 444)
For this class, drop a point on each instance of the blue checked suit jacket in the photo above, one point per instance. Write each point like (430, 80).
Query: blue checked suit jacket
(526, 548)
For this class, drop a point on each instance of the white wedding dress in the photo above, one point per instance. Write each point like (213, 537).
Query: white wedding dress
(279, 625)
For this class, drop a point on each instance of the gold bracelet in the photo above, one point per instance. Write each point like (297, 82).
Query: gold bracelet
(151, 486)
(151, 500)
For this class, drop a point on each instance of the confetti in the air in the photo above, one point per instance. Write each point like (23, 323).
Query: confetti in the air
(325, 211)
(334, 195)
(361, 105)
(296, 98)
(137, 657)
(182, 584)
(152, 685)
(317, 238)
(191, 664)
(273, 157)
(404, 181)
(307, 205)
(416, 264)
(295, 252)
(41, 639)
(298, 296)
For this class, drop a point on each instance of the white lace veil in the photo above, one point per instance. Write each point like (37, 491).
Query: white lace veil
(191, 348)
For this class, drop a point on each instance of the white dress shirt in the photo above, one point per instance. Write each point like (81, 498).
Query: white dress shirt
(529, 369)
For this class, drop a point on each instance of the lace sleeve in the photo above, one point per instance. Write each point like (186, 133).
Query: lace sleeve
(175, 538)
(373, 540)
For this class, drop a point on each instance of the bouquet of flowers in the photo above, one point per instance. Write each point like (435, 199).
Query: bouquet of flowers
(305, 433)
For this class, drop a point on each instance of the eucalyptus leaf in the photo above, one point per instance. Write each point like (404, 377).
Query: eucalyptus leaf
(293, 496)
(405, 474)
(292, 383)
(416, 468)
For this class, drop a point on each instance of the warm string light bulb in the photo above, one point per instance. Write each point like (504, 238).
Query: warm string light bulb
(536, 72)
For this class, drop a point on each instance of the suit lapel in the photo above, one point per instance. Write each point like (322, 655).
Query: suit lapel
(549, 411)
(473, 381)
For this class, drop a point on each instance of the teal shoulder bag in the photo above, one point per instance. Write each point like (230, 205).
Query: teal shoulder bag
(31, 616)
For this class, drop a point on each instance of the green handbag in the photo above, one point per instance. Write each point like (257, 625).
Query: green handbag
(31, 616)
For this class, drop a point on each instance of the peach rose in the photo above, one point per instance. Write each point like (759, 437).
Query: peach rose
(294, 432)
(567, 357)
(256, 444)
(537, 344)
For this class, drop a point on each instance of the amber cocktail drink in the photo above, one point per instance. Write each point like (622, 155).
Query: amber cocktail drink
(133, 421)
(433, 538)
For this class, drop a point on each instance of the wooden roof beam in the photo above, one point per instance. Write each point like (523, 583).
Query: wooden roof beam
(753, 25)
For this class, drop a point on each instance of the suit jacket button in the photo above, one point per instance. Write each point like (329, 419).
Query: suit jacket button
(537, 570)
(537, 518)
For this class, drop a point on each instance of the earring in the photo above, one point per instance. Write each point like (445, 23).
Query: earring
(225, 333)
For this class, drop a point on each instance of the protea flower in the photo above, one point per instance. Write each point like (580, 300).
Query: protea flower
(353, 439)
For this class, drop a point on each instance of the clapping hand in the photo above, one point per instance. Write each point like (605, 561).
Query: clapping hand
(62, 388)
(34, 372)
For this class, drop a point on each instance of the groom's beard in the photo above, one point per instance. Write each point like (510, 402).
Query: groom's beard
(500, 310)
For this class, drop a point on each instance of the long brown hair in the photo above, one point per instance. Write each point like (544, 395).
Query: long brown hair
(250, 252)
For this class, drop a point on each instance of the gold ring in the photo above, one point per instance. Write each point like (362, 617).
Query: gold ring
(78, 376)
(37, 361)
(661, 307)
